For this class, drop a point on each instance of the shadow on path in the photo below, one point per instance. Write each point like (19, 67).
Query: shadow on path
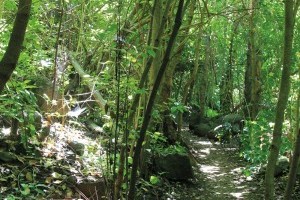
(218, 174)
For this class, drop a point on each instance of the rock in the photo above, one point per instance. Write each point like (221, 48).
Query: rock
(212, 136)
(77, 147)
(175, 166)
(170, 129)
(232, 118)
(195, 119)
(282, 166)
(43, 133)
(7, 156)
(38, 120)
(235, 121)
(93, 190)
(202, 130)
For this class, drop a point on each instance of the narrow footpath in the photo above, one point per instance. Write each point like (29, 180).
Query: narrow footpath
(218, 174)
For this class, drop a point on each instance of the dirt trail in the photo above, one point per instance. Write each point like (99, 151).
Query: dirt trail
(218, 174)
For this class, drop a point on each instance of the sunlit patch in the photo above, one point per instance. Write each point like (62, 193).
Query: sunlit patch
(206, 151)
(213, 149)
(237, 170)
(209, 169)
(57, 146)
(238, 195)
(241, 187)
(46, 63)
(208, 143)
(5, 131)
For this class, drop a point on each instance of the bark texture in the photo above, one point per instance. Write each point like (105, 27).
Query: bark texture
(151, 101)
(12, 53)
(282, 100)
(296, 154)
(252, 91)
(137, 96)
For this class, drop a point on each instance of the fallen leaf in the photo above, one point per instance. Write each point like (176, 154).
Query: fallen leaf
(29, 176)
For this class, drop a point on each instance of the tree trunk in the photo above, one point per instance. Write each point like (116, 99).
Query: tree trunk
(1, 8)
(157, 18)
(294, 165)
(167, 84)
(12, 53)
(226, 86)
(136, 99)
(188, 87)
(296, 153)
(247, 83)
(150, 104)
(204, 78)
(282, 100)
(252, 89)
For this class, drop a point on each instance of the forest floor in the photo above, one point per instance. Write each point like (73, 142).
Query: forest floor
(219, 175)
(218, 169)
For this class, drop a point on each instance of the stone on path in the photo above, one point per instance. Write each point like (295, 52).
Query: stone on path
(175, 166)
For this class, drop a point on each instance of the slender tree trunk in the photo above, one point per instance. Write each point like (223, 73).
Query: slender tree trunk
(150, 104)
(11, 56)
(247, 83)
(226, 86)
(137, 96)
(282, 100)
(204, 79)
(252, 57)
(167, 83)
(1, 8)
(295, 161)
(296, 153)
(157, 18)
(187, 89)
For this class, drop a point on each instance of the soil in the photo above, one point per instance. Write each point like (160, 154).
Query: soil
(218, 174)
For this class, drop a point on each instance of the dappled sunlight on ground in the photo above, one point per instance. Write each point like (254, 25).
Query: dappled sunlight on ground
(221, 171)
(209, 169)
(238, 195)
(207, 143)
(219, 174)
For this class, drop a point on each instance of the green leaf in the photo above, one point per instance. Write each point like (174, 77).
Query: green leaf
(29, 176)
(151, 52)
(26, 190)
(130, 160)
(154, 180)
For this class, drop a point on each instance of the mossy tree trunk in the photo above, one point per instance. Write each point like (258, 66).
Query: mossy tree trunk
(296, 152)
(148, 112)
(226, 85)
(1, 8)
(167, 83)
(204, 77)
(188, 86)
(252, 91)
(157, 20)
(283, 97)
(137, 96)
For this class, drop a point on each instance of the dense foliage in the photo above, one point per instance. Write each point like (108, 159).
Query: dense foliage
(113, 42)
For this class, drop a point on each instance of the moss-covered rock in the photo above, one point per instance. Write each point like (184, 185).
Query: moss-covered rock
(174, 166)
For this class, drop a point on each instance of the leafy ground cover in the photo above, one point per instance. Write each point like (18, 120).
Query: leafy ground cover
(71, 155)
(67, 158)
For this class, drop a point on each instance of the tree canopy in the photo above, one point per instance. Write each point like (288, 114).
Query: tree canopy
(130, 77)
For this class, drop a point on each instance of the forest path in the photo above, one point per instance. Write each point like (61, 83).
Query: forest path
(218, 174)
